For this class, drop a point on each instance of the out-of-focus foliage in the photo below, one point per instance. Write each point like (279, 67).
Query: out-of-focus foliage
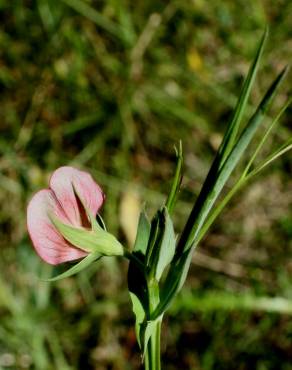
(111, 86)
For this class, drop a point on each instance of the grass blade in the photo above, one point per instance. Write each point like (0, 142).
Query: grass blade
(284, 148)
(89, 12)
(233, 127)
(264, 138)
(245, 177)
(85, 262)
(210, 193)
(232, 131)
(227, 142)
(172, 197)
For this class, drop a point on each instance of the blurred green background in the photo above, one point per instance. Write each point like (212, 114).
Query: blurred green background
(111, 86)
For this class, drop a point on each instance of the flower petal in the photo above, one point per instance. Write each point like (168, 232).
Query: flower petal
(62, 182)
(48, 242)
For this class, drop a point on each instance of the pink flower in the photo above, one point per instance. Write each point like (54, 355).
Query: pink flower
(60, 201)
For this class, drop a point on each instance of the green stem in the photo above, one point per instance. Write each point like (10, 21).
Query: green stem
(152, 357)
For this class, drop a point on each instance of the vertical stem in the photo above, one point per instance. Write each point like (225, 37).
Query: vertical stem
(148, 358)
(157, 345)
(152, 357)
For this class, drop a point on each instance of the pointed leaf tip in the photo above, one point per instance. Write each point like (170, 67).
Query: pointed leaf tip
(83, 264)
(267, 99)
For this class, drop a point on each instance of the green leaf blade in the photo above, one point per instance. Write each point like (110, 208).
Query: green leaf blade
(143, 234)
(167, 245)
(83, 264)
(172, 197)
(233, 127)
(173, 283)
(161, 246)
(140, 315)
(210, 192)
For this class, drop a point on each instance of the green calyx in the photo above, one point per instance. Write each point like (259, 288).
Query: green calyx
(96, 240)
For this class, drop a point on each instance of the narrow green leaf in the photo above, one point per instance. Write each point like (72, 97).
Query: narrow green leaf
(161, 246)
(137, 283)
(85, 262)
(239, 184)
(233, 127)
(284, 148)
(137, 308)
(265, 136)
(139, 316)
(219, 208)
(172, 197)
(155, 235)
(210, 193)
(244, 176)
(166, 247)
(143, 233)
(174, 281)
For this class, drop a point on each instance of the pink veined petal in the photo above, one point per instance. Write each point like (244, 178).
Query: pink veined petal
(87, 189)
(48, 242)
